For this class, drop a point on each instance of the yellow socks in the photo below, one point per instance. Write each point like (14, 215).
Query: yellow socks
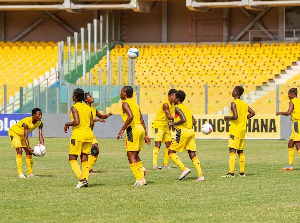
(231, 162)
(166, 158)
(29, 163)
(19, 163)
(177, 161)
(242, 162)
(196, 163)
(92, 161)
(298, 152)
(76, 169)
(133, 167)
(291, 156)
(137, 170)
(85, 170)
(155, 155)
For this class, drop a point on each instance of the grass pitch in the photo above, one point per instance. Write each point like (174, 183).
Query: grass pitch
(266, 194)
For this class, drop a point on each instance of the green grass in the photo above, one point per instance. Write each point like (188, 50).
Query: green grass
(266, 194)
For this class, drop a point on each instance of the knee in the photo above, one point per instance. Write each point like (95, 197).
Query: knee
(94, 151)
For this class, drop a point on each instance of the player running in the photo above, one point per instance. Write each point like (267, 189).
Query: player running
(185, 137)
(161, 128)
(18, 135)
(294, 111)
(239, 114)
(135, 134)
(82, 136)
(97, 117)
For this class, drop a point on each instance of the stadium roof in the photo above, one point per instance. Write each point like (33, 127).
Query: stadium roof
(136, 5)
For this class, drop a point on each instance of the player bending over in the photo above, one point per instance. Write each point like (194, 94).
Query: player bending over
(97, 117)
(162, 133)
(239, 114)
(294, 111)
(185, 137)
(82, 136)
(18, 135)
(135, 135)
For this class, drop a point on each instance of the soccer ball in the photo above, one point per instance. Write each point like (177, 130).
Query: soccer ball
(206, 128)
(39, 150)
(133, 53)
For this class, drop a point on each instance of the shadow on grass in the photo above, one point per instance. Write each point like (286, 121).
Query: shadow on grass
(49, 175)
(96, 185)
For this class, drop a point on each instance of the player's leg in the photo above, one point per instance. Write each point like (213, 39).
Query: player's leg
(74, 152)
(29, 163)
(131, 155)
(85, 166)
(157, 143)
(155, 154)
(196, 162)
(141, 170)
(168, 141)
(241, 162)
(178, 145)
(291, 152)
(17, 145)
(191, 148)
(19, 162)
(93, 157)
(233, 143)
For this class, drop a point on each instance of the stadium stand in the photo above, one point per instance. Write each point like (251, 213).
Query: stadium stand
(23, 62)
(190, 67)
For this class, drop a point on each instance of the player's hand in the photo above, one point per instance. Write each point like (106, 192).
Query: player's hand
(171, 124)
(147, 140)
(278, 113)
(100, 120)
(226, 118)
(109, 114)
(66, 128)
(30, 151)
(120, 134)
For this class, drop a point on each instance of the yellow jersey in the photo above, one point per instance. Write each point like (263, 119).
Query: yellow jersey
(238, 126)
(94, 110)
(295, 115)
(135, 109)
(188, 116)
(82, 132)
(161, 120)
(19, 129)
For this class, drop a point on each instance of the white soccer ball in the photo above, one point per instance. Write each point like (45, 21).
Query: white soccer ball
(39, 150)
(133, 53)
(206, 128)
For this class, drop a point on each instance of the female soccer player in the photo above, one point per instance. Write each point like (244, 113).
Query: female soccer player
(136, 133)
(18, 135)
(82, 137)
(97, 117)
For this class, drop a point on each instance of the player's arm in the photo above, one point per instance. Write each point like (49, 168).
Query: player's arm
(234, 113)
(147, 138)
(251, 113)
(26, 138)
(129, 119)
(194, 121)
(167, 111)
(41, 137)
(287, 113)
(181, 116)
(76, 120)
(101, 117)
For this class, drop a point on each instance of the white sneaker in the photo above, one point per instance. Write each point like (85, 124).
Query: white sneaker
(200, 178)
(82, 183)
(166, 167)
(141, 182)
(156, 168)
(22, 176)
(184, 173)
(30, 175)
